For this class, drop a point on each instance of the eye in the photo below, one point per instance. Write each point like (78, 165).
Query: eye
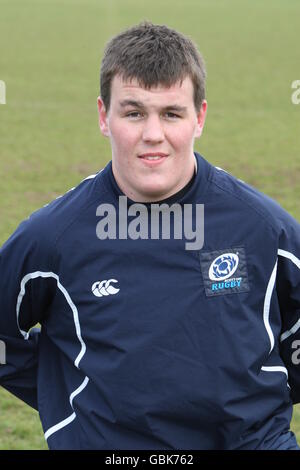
(170, 115)
(134, 115)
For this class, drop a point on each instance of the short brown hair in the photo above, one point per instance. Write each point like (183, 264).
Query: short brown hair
(154, 55)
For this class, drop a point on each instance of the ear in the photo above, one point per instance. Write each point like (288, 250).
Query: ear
(201, 115)
(103, 119)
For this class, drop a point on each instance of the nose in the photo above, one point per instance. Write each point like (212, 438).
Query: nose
(153, 130)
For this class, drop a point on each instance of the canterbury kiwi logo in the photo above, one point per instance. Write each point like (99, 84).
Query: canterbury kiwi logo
(102, 288)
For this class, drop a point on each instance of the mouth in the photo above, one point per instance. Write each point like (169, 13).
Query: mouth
(153, 158)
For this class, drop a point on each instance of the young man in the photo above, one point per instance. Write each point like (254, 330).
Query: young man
(149, 340)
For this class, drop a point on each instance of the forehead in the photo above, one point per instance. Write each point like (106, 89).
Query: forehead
(181, 92)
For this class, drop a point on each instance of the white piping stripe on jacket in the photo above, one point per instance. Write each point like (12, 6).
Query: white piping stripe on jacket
(267, 303)
(266, 313)
(68, 420)
(269, 291)
(290, 256)
(275, 369)
(60, 425)
(296, 261)
(35, 275)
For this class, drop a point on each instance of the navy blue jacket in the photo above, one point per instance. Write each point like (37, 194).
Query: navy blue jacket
(145, 344)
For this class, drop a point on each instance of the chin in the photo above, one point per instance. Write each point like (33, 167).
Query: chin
(153, 196)
(155, 188)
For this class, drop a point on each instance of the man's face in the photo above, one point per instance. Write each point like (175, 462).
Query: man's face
(152, 136)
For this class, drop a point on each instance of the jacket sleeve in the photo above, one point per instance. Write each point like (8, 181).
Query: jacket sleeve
(288, 291)
(25, 296)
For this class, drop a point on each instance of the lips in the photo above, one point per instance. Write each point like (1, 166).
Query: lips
(153, 158)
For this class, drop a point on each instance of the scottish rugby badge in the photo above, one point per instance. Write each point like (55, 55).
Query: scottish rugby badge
(224, 271)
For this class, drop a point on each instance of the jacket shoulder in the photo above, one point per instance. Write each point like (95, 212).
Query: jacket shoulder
(252, 202)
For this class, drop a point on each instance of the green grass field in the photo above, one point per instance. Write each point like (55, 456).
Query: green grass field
(49, 137)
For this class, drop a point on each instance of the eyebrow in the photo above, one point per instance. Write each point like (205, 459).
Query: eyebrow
(135, 104)
(139, 104)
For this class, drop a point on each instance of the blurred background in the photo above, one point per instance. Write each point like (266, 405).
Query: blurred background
(50, 53)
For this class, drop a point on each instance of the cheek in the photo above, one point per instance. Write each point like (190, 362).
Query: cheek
(123, 138)
(183, 136)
